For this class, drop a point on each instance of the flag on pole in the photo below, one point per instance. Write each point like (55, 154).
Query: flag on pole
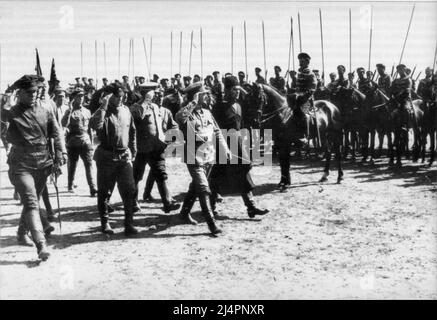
(53, 82)
(38, 64)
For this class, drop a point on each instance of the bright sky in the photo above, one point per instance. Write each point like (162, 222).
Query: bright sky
(58, 28)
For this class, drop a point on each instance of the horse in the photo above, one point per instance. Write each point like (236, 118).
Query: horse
(274, 113)
(429, 128)
(351, 104)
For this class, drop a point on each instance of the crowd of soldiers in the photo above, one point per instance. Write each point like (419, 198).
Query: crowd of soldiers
(42, 133)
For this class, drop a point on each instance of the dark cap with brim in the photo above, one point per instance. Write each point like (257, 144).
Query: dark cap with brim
(29, 82)
(401, 66)
(194, 88)
(147, 86)
(303, 55)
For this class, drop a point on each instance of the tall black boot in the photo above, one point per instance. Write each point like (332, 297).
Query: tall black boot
(205, 204)
(165, 197)
(252, 210)
(33, 222)
(102, 206)
(129, 229)
(71, 173)
(147, 195)
(187, 205)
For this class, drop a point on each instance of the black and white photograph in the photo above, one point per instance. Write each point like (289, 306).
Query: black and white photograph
(218, 150)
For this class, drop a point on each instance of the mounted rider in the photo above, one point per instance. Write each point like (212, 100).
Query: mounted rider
(278, 82)
(400, 94)
(384, 80)
(424, 89)
(302, 99)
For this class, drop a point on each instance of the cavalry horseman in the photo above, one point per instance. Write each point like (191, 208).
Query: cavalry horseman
(303, 98)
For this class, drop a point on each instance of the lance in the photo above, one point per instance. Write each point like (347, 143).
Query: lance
(350, 40)
(300, 37)
(201, 53)
(104, 58)
(289, 48)
(191, 52)
(392, 70)
(264, 50)
(232, 50)
(180, 52)
(374, 74)
(435, 57)
(133, 59)
(130, 51)
(171, 54)
(417, 78)
(370, 40)
(412, 72)
(150, 66)
(406, 37)
(95, 51)
(245, 51)
(147, 59)
(119, 56)
(81, 59)
(321, 41)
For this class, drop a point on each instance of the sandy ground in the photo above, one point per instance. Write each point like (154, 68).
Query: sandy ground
(373, 236)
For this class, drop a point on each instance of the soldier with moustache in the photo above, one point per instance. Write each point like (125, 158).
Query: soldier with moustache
(151, 144)
(32, 125)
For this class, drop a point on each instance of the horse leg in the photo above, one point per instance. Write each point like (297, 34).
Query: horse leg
(381, 135)
(284, 162)
(365, 145)
(372, 146)
(346, 143)
(353, 143)
(416, 143)
(338, 157)
(432, 147)
(400, 145)
(327, 163)
(390, 146)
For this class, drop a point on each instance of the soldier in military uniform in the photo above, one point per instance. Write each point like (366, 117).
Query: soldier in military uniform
(229, 117)
(302, 99)
(365, 84)
(318, 79)
(79, 140)
(351, 83)
(259, 78)
(116, 131)
(278, 82)
(384, 80)
(197, 122)
(208, 82)
(332, 85)
(197, 78)
(78, 84)
(151, 145)
(187, 81)
(242, 79)
(424, 89)
(31, 126)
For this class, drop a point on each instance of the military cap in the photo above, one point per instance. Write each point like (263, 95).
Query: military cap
(303, 55)
(360, 69)
(341, 67)
(187, 78)
(194, 88)
(277, 67)
(216, 72)
(77, 78)
(77, 91)
(332, 74)
(29, 82)
(257, 69)
(400, 66)
(141, 78)
(177, 75)
(84, 78)
(124, 77)
(58, 90)
(230, 82)
(104, 79)
(380, 65)
(315, 71)
(147, 86)
(241, 73)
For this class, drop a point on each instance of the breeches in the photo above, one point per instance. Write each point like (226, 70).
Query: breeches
(155, 160)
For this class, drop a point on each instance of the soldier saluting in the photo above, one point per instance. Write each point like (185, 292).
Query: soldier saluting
(31, 126)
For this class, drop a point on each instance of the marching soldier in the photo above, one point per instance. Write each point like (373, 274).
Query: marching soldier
(302, 99)
(278, 82)
(151, 145)
(79, 140)
(384, 80)
(115, 129)
(229, 117)
(259, 78)
(197, 121)
(31, 126)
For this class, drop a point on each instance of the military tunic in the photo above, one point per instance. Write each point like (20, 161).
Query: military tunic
(384, 83)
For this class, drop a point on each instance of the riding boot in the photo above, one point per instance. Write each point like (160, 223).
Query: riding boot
(33, 222)
(187, 205)
(46, 199)
(71, 173)
(136, 206)
(165, 197)
(207, 213)
(252, 209)
(129, 228)
(22, 237)
(47, 227)
(147, 195)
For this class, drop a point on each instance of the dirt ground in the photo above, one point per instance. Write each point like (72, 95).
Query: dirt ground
(372, 237)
